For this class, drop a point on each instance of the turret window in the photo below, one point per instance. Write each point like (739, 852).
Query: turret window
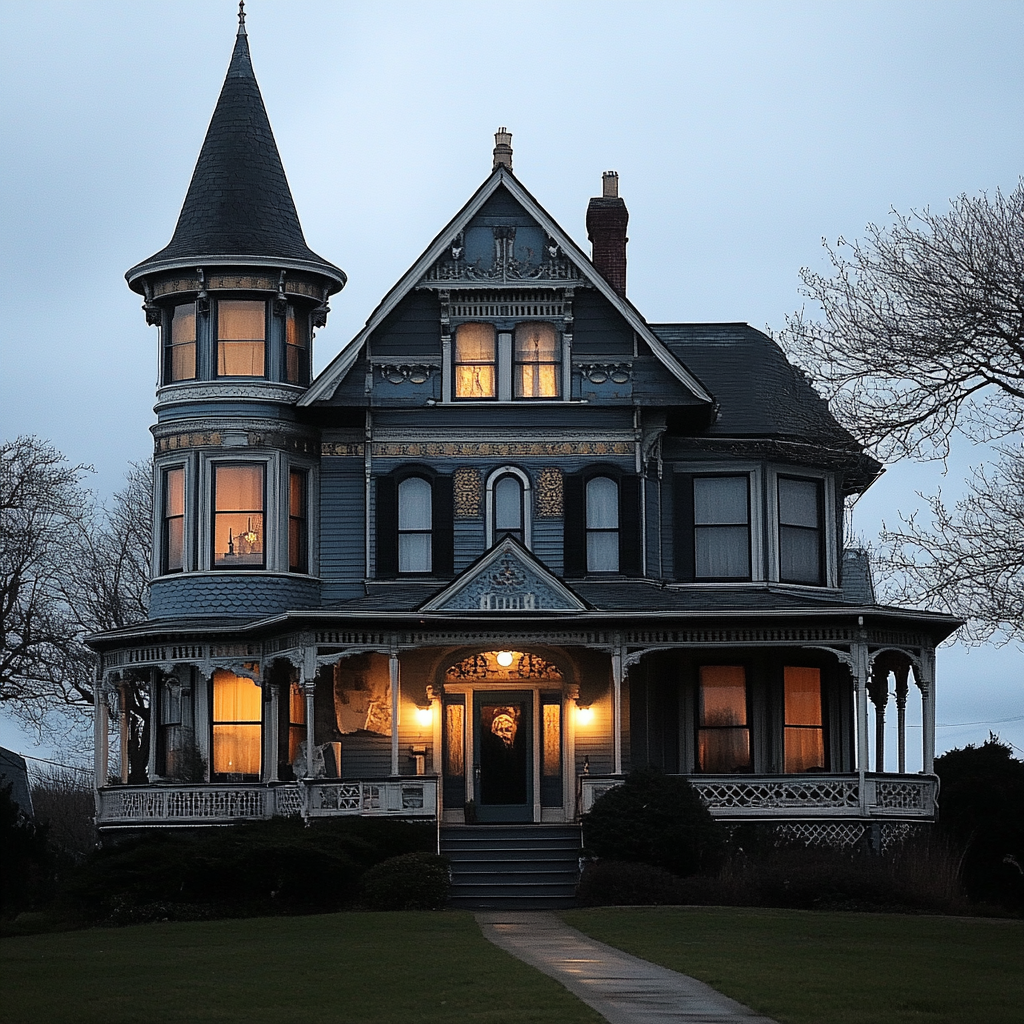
(173, 539)
(537, 361)
(801, 551)
(180, 350)
(721, 527)
(238, 540)
(296, 368)
(476, 358)
(241, 338)
(298, 548)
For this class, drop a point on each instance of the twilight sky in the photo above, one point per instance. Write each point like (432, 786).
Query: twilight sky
(743, 132)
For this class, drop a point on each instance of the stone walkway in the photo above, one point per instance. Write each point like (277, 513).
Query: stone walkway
(624, 989)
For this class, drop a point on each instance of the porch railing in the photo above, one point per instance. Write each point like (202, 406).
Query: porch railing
(412, 797)
(754, 797)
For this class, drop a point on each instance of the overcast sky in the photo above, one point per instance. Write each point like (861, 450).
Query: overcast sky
(743, 134)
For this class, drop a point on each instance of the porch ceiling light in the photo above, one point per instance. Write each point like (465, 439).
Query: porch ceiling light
(424, 717)
(504, 658)
(584, 714)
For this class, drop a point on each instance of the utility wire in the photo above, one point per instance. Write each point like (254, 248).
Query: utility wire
(57, 764)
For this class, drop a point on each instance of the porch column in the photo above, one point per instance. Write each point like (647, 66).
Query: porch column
(927, 684)
(395, 684)
(154, 721)
(879, 693)
(617, 710)
(100, 731)
(272, 716)
(901, 673)
(308, 684)
(859, 653)
(122, 691)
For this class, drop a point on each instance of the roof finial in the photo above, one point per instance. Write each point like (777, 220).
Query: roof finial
(241, 18)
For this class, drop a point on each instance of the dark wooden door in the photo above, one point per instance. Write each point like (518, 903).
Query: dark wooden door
(503, 754)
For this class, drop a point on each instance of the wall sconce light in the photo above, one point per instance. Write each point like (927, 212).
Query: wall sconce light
(504, 658)
(424, 717)
(584, 715)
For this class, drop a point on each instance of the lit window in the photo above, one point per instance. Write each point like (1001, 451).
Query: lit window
(415, 517)
(475, 361)
(241, 338)
(296, 370)
(237, 730)
(537, 363)
(173, 546)
(723, 733)
(602, 525)
(721, 527)
(804, 739)
(298, 548)
(508, 508)
(800, 531)
(180, 355)
(238, 517)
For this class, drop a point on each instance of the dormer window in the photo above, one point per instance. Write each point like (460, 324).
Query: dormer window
(241, 338)
(238, 516)
(476, 358)
(180, 346)
(537, 361)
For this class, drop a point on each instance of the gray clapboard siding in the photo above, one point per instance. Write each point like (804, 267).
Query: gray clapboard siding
(341, 519)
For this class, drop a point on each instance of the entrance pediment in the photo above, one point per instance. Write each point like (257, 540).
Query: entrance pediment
(506, 579)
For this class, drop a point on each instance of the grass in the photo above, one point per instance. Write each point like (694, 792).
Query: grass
(807, 967)
(410, 967)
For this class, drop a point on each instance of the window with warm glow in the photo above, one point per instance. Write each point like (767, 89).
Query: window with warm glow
(173, 542)
(537, 361)
(238, 517)
(298, 531)
(476, 358)
(804, 739)
(415, 518)
(180, 354)
(237, 727)
(602, 525)
(296, 349)
(508, 508)
(296, 720)
(241, 338)
(801, 552)
(721, 527)
(723, 731)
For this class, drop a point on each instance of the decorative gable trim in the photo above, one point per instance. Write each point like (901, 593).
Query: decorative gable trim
(506, 579)
(326, 384)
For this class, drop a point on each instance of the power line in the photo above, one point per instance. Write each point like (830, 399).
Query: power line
(58, 764)
(963, 725)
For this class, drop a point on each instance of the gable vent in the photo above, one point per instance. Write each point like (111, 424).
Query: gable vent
(506, 303)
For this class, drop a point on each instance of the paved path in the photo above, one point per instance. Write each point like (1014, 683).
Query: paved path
(624, 989)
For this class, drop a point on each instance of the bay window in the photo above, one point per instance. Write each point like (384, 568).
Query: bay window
(238, 536)
(237, 728)
(723, 726)
(721, 527)
(296, 348)
(298, 529)
(801, 534)
(241, 338)
(172, 544)
(804, 733)
(180, 344)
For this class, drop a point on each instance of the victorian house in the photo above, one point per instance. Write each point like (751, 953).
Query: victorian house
(511, 543)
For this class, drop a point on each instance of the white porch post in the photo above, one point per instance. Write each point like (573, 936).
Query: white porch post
(901, 717)
(272, 716)
(154, 722)
(617, 710)
(101, 729)
(308, 684)
(123, 715)
(879, 694)
(859, 652)
(395, 684)
(927, 684)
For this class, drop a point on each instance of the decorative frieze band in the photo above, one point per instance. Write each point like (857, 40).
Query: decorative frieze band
(193, 439)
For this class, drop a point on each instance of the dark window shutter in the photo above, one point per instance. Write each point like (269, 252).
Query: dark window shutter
(443, 526)
(574, 526)
(682, 522)
(630, 527)
(387, 526)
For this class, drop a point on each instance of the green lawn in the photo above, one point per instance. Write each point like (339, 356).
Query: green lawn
(367, 968)
(804, 967)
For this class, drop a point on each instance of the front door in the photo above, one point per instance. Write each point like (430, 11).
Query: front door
(503, 746)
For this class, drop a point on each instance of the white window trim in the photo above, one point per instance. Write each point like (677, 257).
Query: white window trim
(273, 542)
(828, 523)
(524, 478)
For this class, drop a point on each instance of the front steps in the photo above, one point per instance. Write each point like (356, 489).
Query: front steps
(512, 867)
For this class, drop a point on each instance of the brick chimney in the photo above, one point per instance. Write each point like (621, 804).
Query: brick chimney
(607, 218)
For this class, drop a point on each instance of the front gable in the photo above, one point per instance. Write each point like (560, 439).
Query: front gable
(506, 579)
(502, 256)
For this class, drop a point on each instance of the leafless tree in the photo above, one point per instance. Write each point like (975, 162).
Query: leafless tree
(922, 336)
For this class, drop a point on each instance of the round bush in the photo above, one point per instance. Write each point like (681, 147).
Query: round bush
(412, 881)
(658, 819)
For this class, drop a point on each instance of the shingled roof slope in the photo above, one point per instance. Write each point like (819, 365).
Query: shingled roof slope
(238, 203)
(758, 391)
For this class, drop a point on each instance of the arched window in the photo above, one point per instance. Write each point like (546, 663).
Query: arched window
(602, 525)
(415, 521)
(508, 505)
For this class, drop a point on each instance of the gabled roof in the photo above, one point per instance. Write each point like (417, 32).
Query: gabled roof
(326, 384)
(239, 209)
(506, 579)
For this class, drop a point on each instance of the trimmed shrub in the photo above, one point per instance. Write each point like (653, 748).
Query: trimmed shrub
(413, 881)
(614, 883)
(655, 819)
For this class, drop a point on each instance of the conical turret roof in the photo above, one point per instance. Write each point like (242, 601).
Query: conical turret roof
(239, 208)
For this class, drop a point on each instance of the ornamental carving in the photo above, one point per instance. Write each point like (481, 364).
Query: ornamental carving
(194, 439)
(504, 266)
(506, 449)
(467, 485)
(348, 448)
(204, 391)
(413, 373)
(487, 667)
(600, 373)
(258, 439)
(549, 493)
